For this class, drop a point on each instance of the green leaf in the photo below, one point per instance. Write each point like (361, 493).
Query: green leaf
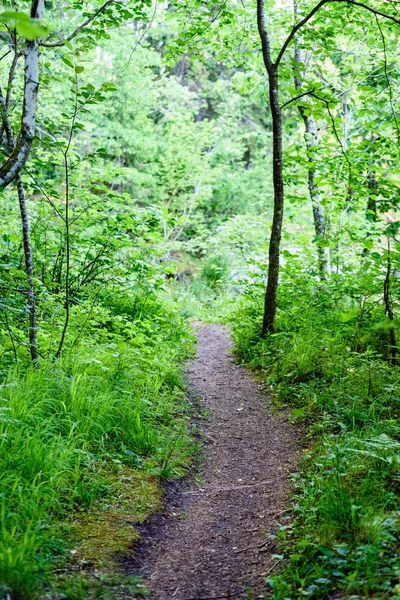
(67, 62)
(30, 29)
(12, 15)
(110, 86)
(369, 244)
(345, 317)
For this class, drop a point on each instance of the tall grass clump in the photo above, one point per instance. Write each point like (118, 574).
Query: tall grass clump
(114, 399)
(328, 362)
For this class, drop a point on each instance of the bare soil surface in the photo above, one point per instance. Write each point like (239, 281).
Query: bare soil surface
(212, 541)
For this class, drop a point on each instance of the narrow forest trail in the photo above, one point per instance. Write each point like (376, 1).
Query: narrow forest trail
(211, 543)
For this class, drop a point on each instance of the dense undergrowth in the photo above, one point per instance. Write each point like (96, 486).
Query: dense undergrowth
(153, 134)
(84, 443)
(329, 363)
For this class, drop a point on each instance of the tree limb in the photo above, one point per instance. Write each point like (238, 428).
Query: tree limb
(307, 93)
(388, 80)
(335, 131)
(6, 54)
(316, 8)
(80, 27)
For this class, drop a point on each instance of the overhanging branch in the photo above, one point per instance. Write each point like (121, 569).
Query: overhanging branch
(335, 131)
(80, 27)
(307, 93)
(317, 7)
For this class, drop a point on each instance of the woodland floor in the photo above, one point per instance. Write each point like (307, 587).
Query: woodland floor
(212, 541)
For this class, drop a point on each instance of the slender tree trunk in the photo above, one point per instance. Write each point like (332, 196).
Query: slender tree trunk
(311, 139)
(388, 307)
(29, 273)
(67, 226)
(277, 171)
(33, 347)
(67, 253)
(276, 230)
(372, 213)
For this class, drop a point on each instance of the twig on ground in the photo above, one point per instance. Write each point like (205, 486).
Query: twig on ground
(232, 488)
(271, 568)
(259, 547)
(228, 595)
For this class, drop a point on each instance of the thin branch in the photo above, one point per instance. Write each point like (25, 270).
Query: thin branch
(80, 27)
(388, 79)
(335, 131)
(307, 93)
(13, 289)
(11, 74)
(6, 123)
(43, 191)
(6, 54)
(10, 334)
(141, 37)
(316, 8)
(68, 225)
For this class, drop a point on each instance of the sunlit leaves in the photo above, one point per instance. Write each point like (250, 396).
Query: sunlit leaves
(26, 27)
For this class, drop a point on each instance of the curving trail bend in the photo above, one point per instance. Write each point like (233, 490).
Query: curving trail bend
(211, 543)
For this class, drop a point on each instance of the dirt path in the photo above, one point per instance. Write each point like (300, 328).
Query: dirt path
(212, 544)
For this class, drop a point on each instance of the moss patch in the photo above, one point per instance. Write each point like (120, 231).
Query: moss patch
(107, 533)
(103, 536)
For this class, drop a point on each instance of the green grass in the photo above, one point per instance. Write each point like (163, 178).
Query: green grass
(200, 300)
(68, 431)
(343, 536)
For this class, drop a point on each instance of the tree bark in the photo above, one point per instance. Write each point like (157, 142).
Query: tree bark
(372, 212)
(33, 347)
(29, 273)
(279, 197)
(388, 307)
(14, 163)
(311, 139)
(277, 170)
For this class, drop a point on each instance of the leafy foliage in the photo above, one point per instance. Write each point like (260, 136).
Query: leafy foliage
(146, 200)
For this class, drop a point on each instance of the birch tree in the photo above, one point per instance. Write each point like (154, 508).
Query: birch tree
(18, 147)
(311, 141)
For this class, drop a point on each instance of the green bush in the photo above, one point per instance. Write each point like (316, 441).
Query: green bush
(344, 534)
(63, 430)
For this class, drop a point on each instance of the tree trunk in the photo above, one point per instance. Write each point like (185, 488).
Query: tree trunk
(388, 307)
(67, 251)
(29, 273)
(26, 243)
(277, 171)
(372, 212)
(276, 231)
(311, 139)
(11, 167)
